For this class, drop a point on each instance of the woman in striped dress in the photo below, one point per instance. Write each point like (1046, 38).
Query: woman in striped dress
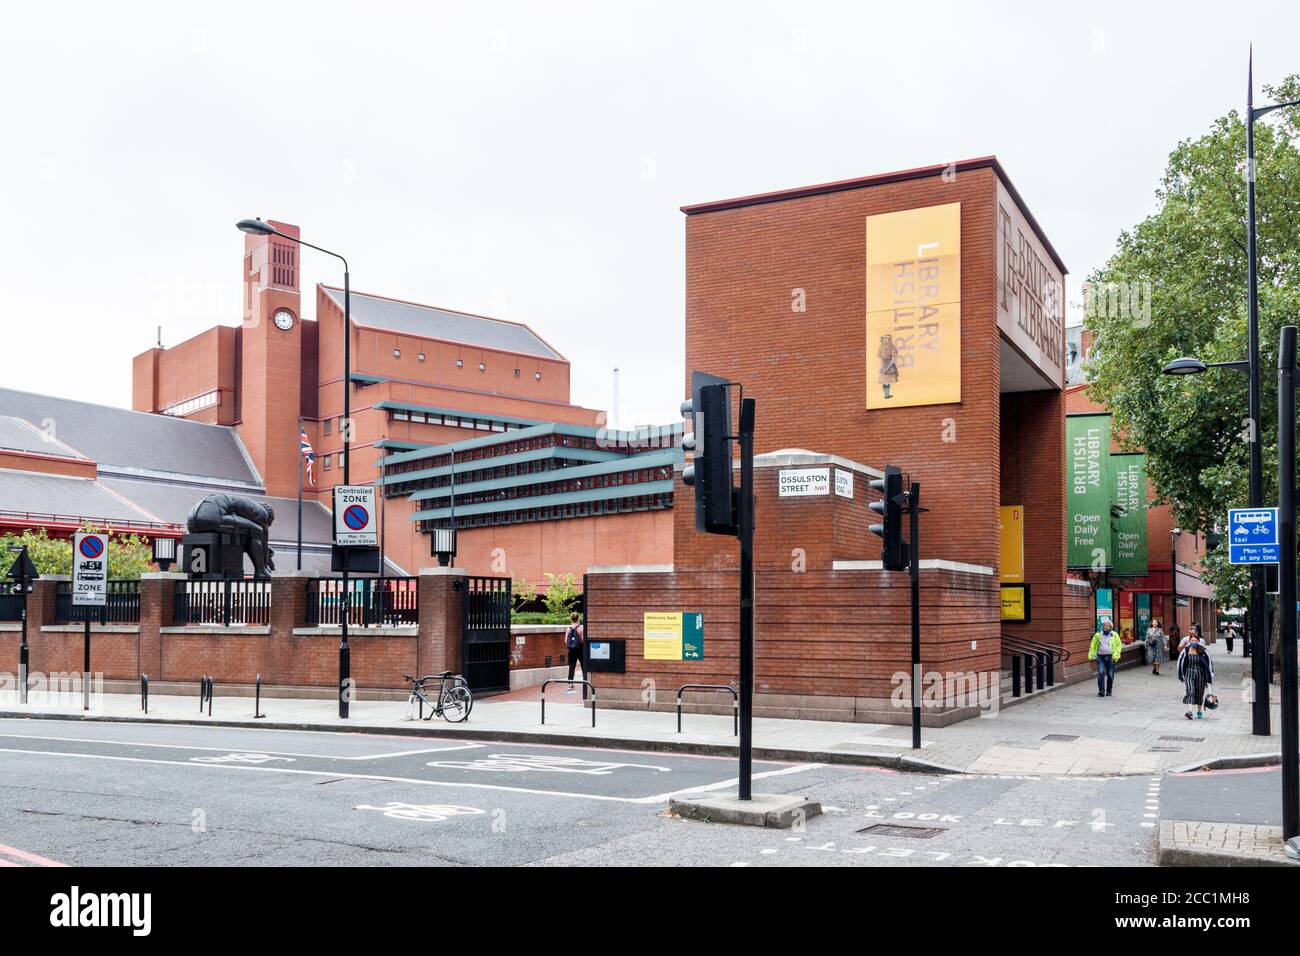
(1196, 671)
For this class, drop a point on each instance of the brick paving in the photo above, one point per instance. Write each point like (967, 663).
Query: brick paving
(1189, 843)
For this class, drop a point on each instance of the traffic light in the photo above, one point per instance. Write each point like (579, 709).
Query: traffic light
(710, 471)
(890, 507)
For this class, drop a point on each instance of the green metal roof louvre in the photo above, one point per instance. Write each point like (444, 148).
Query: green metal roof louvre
(617, 439)
(623, 463)
(533, 454)
(547, 501)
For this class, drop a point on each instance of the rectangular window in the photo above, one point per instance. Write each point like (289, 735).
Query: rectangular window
(328, 426)
(398, 415)
(327, 462)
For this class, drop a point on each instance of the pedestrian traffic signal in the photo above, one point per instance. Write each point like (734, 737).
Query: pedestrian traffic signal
(890, 508)
(710, 471)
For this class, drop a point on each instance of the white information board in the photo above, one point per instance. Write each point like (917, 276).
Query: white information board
(356, 522)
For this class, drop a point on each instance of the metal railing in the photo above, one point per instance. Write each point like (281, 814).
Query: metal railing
(371, 602)
(121, 604)
(587, 685)
(1036, 658)
(229, 603)
(735, 703)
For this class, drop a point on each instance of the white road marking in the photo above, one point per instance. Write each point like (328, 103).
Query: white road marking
(548, 763)
(733, 782)
(423, 812)
(227, 750)
(657, 798)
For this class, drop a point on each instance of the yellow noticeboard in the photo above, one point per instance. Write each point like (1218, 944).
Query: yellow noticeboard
(1012, 528)
(1015, 602)
(914, 307)
(663, 635)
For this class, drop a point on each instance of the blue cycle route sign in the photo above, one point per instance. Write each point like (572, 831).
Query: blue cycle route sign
(1253, 536)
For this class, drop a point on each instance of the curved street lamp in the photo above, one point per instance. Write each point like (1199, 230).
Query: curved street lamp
(257, 227)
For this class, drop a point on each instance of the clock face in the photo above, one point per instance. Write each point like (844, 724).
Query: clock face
(284, 320)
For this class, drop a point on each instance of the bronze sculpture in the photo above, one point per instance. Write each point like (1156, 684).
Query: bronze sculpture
(240, 516)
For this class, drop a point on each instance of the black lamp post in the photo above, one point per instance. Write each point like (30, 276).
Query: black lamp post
(256, 227)
(1257, 617)
(1286, 586)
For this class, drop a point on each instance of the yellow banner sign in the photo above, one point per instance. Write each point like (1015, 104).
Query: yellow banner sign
(1012, 526)
(914, 307)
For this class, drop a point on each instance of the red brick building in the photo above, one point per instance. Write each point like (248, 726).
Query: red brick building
(778, 288)
(431, 388)
(1170, 553)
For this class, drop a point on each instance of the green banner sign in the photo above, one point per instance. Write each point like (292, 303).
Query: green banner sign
(1088, 492)
(1130, 522)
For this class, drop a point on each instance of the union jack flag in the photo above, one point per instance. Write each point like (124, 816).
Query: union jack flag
(308, 454)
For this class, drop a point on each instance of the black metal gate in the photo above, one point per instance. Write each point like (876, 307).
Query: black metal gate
(485, 633)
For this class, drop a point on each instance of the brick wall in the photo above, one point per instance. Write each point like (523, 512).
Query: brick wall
(285, 653)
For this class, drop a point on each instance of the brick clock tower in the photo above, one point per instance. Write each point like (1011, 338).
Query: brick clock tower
(271, 350)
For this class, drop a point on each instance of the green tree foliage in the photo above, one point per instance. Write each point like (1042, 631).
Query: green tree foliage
(129, 554)
(1192, 252)
(561, 593)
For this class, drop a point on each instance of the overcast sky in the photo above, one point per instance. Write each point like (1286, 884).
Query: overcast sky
(527, 160)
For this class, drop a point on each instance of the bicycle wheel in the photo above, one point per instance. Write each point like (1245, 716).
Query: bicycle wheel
(456, 704)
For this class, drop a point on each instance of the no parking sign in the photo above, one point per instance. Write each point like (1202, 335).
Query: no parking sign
(355, 520)
(89, 569)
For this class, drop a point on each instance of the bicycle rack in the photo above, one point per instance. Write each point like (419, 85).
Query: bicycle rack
(205, 693)
(587, 685)
(257, 699)
(144, 692)
(735, 703)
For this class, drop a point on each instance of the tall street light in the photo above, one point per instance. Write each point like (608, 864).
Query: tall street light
(1258, 607)
(1286, 531)
(1258, 616)
(256, 227)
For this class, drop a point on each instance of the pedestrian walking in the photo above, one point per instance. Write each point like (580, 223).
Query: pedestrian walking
(1196, 671)
(1157, 643)
(573, 641)
(1105, 650)
(1229, 634)
(1177, 639)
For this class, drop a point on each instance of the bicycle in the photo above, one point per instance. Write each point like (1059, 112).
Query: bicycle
(453, 702)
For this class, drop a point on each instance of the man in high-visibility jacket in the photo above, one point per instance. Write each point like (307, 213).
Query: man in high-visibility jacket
(1105, 650)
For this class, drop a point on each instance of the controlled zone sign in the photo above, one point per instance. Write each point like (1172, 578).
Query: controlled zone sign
(673, 636)
(1253, 536)
(89, 569)
(356, 523)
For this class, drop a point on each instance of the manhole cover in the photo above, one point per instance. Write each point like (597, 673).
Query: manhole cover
(893, 829)
(1061, 738)
(1186, 740)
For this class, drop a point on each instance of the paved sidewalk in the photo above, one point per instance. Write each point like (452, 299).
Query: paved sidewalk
(1071, 731)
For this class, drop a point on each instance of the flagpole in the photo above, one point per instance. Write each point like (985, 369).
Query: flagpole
(300, 457)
